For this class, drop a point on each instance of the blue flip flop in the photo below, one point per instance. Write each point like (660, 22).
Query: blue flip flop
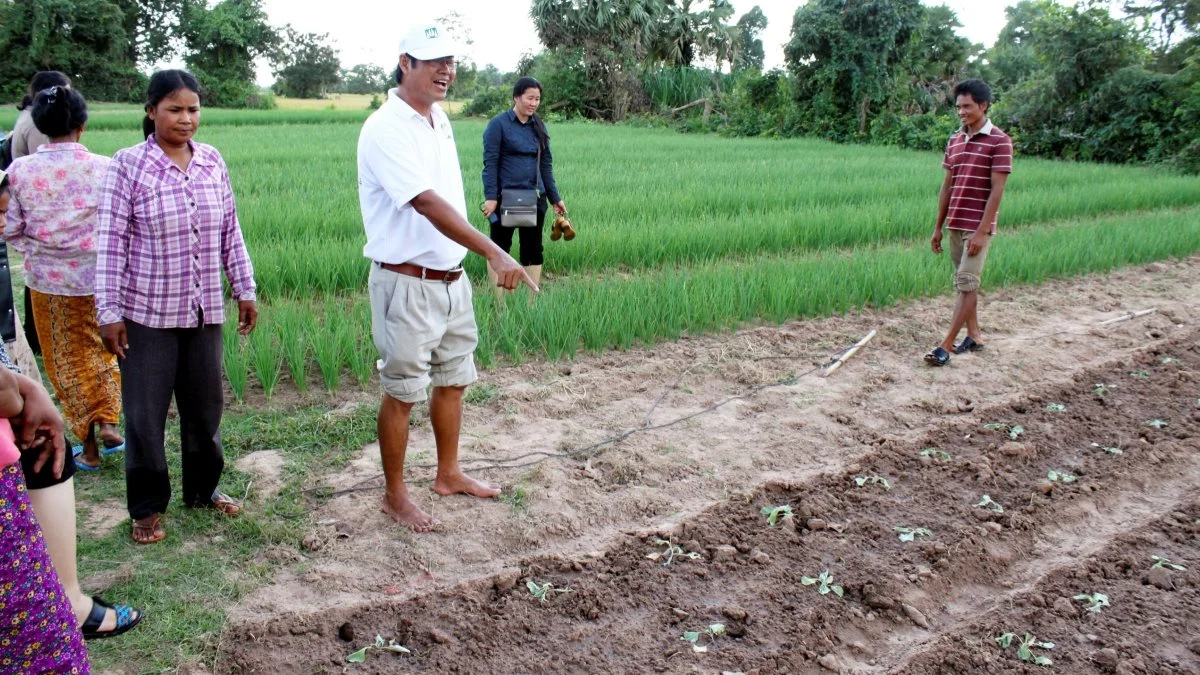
(105, 452)
(75, 453)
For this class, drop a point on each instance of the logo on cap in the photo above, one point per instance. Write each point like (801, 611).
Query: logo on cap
(431, 33)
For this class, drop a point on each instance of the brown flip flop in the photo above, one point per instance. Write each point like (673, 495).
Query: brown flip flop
(226, 504)
(151, 526)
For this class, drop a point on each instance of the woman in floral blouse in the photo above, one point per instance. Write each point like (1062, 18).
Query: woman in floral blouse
(52, 222)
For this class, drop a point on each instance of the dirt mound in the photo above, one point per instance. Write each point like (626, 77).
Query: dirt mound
(1084, 482)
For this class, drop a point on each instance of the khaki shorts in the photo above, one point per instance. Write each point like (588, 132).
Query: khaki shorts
(967, 269)
(425, 333)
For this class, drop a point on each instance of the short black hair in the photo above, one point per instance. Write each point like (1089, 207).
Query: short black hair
(412, 63)
(43, 80)
(57, 111)
(978, 90)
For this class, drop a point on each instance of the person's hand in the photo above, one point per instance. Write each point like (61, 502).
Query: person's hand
(936, 242)
(489, 207)
(560, 208)
(247, 316)
(509, 273)
(976, 243)
(116, 340)
(40, 425)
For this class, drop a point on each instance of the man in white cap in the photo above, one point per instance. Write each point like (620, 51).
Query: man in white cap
(414, 211)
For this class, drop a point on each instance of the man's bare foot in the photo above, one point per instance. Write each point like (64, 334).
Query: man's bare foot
(408, 514)
(462, 484)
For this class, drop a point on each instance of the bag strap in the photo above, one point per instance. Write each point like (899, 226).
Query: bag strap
(539, 185)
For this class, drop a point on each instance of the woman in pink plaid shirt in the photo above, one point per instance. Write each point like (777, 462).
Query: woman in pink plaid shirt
(168, 229)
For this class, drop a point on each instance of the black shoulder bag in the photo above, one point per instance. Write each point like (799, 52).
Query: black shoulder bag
(518, 208)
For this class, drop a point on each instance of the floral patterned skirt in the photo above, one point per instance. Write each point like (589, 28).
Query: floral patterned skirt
(37, 627)
(85, 375)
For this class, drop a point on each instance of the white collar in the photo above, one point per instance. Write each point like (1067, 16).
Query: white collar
(403, 109)
(986, 130)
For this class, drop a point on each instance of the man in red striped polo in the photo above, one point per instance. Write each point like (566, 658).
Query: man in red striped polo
(978, 160)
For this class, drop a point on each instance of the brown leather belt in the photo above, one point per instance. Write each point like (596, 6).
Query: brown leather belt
(411, 270)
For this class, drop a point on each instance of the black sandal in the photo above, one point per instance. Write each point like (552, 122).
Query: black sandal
(937, 357)
(968, 345)
(127, 618)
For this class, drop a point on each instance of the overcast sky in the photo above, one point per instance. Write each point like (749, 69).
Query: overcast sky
(368, 31)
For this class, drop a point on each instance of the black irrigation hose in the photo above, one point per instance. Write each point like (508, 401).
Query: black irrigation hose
(592, 450)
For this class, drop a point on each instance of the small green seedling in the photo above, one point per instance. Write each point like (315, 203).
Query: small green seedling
(1025, 648)
(1055, 407)
(1014, 430)
(1062, 477)
(1112, 450)
(1140, 374)
(988, 503)
(1100, 389)
(825, 579)
(939, 455)
(1160, 561)
(860, 481)
(517, 497)
(673, 551)
(911, 533)
(1169, 360)
(1156, 423)
(714, 631)
(775, 514)
(543, 591)
(389, 646)
(1098, 601)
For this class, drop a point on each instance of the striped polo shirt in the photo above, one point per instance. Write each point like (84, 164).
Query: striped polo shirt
(971, 161)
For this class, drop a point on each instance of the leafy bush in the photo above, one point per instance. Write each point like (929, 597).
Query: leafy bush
(488, 102)
(926, 131)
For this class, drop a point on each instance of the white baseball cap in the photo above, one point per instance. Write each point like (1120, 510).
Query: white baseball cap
(429, 41)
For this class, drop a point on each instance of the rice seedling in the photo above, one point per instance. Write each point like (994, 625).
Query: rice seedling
(328, 346)
(776, 230)
(236, 361)
(265, 358)
(359, 345)
(291, 326)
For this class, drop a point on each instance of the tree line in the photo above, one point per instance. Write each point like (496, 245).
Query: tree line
(1071, 81)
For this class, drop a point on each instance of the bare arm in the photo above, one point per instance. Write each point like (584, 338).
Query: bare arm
(457, 229)
(944, 199)
(943, 207)
(39, 425)
(993, 203)
(11, 401)
(975, 245)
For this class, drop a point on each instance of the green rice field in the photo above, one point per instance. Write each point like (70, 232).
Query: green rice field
(677, 234)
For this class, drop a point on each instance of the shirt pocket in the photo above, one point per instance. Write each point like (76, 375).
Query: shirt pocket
(151, 214)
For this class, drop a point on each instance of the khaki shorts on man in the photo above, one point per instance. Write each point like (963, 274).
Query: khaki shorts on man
(968, 269)
(425, 332)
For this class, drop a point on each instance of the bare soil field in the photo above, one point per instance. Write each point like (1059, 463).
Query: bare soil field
(713, 430)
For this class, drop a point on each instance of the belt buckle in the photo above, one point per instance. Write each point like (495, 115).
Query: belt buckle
(456, 273)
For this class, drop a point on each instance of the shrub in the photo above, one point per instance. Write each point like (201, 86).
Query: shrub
(488, 102)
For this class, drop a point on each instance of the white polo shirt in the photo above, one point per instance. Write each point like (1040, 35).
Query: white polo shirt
(400, 156)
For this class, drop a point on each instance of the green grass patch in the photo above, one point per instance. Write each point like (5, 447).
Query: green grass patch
(208, 561)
